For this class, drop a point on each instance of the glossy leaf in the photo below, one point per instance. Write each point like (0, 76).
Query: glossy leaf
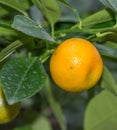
(30, 27)
(21, 78)
(17, 5)
(9, 50)
(107, 81)
(101, 112)
(98, 17)
(49, 8)
(107, 51)
(55, 105)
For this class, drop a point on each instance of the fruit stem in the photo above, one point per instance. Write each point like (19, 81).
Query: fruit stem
(46, 55)
(52, 28)
(57, 110)
(79, 24)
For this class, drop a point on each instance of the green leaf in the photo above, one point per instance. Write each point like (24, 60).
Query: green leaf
(6, 52)
(107, 81)
(105, 3)
(30, 27)
(41, 123)
(55, 105)
(112, 4)
(21, 78)
(101, 112)
(35, 121)
(8, 32)
(98, 17)
(5, 24)
(69, 15)
(111, 44)
(67, 4)
(19, 5)
(107, 25)
(4, 10)
(50, 9)
(107, 51)
(26, 127)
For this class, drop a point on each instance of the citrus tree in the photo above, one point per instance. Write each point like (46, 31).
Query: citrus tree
(58, 65)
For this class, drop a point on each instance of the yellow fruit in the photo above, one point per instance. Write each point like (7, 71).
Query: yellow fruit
(7, 112)
(76, 65)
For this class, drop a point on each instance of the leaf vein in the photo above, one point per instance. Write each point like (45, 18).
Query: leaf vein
(25, 73)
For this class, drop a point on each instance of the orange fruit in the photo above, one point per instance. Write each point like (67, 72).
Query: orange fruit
(76, 65)
(7, 112)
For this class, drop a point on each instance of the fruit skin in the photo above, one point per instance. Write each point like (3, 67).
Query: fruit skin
(7, 112)
(76, 65)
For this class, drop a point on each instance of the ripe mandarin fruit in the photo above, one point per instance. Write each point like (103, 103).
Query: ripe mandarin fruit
(76, 65)
(7, 112)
